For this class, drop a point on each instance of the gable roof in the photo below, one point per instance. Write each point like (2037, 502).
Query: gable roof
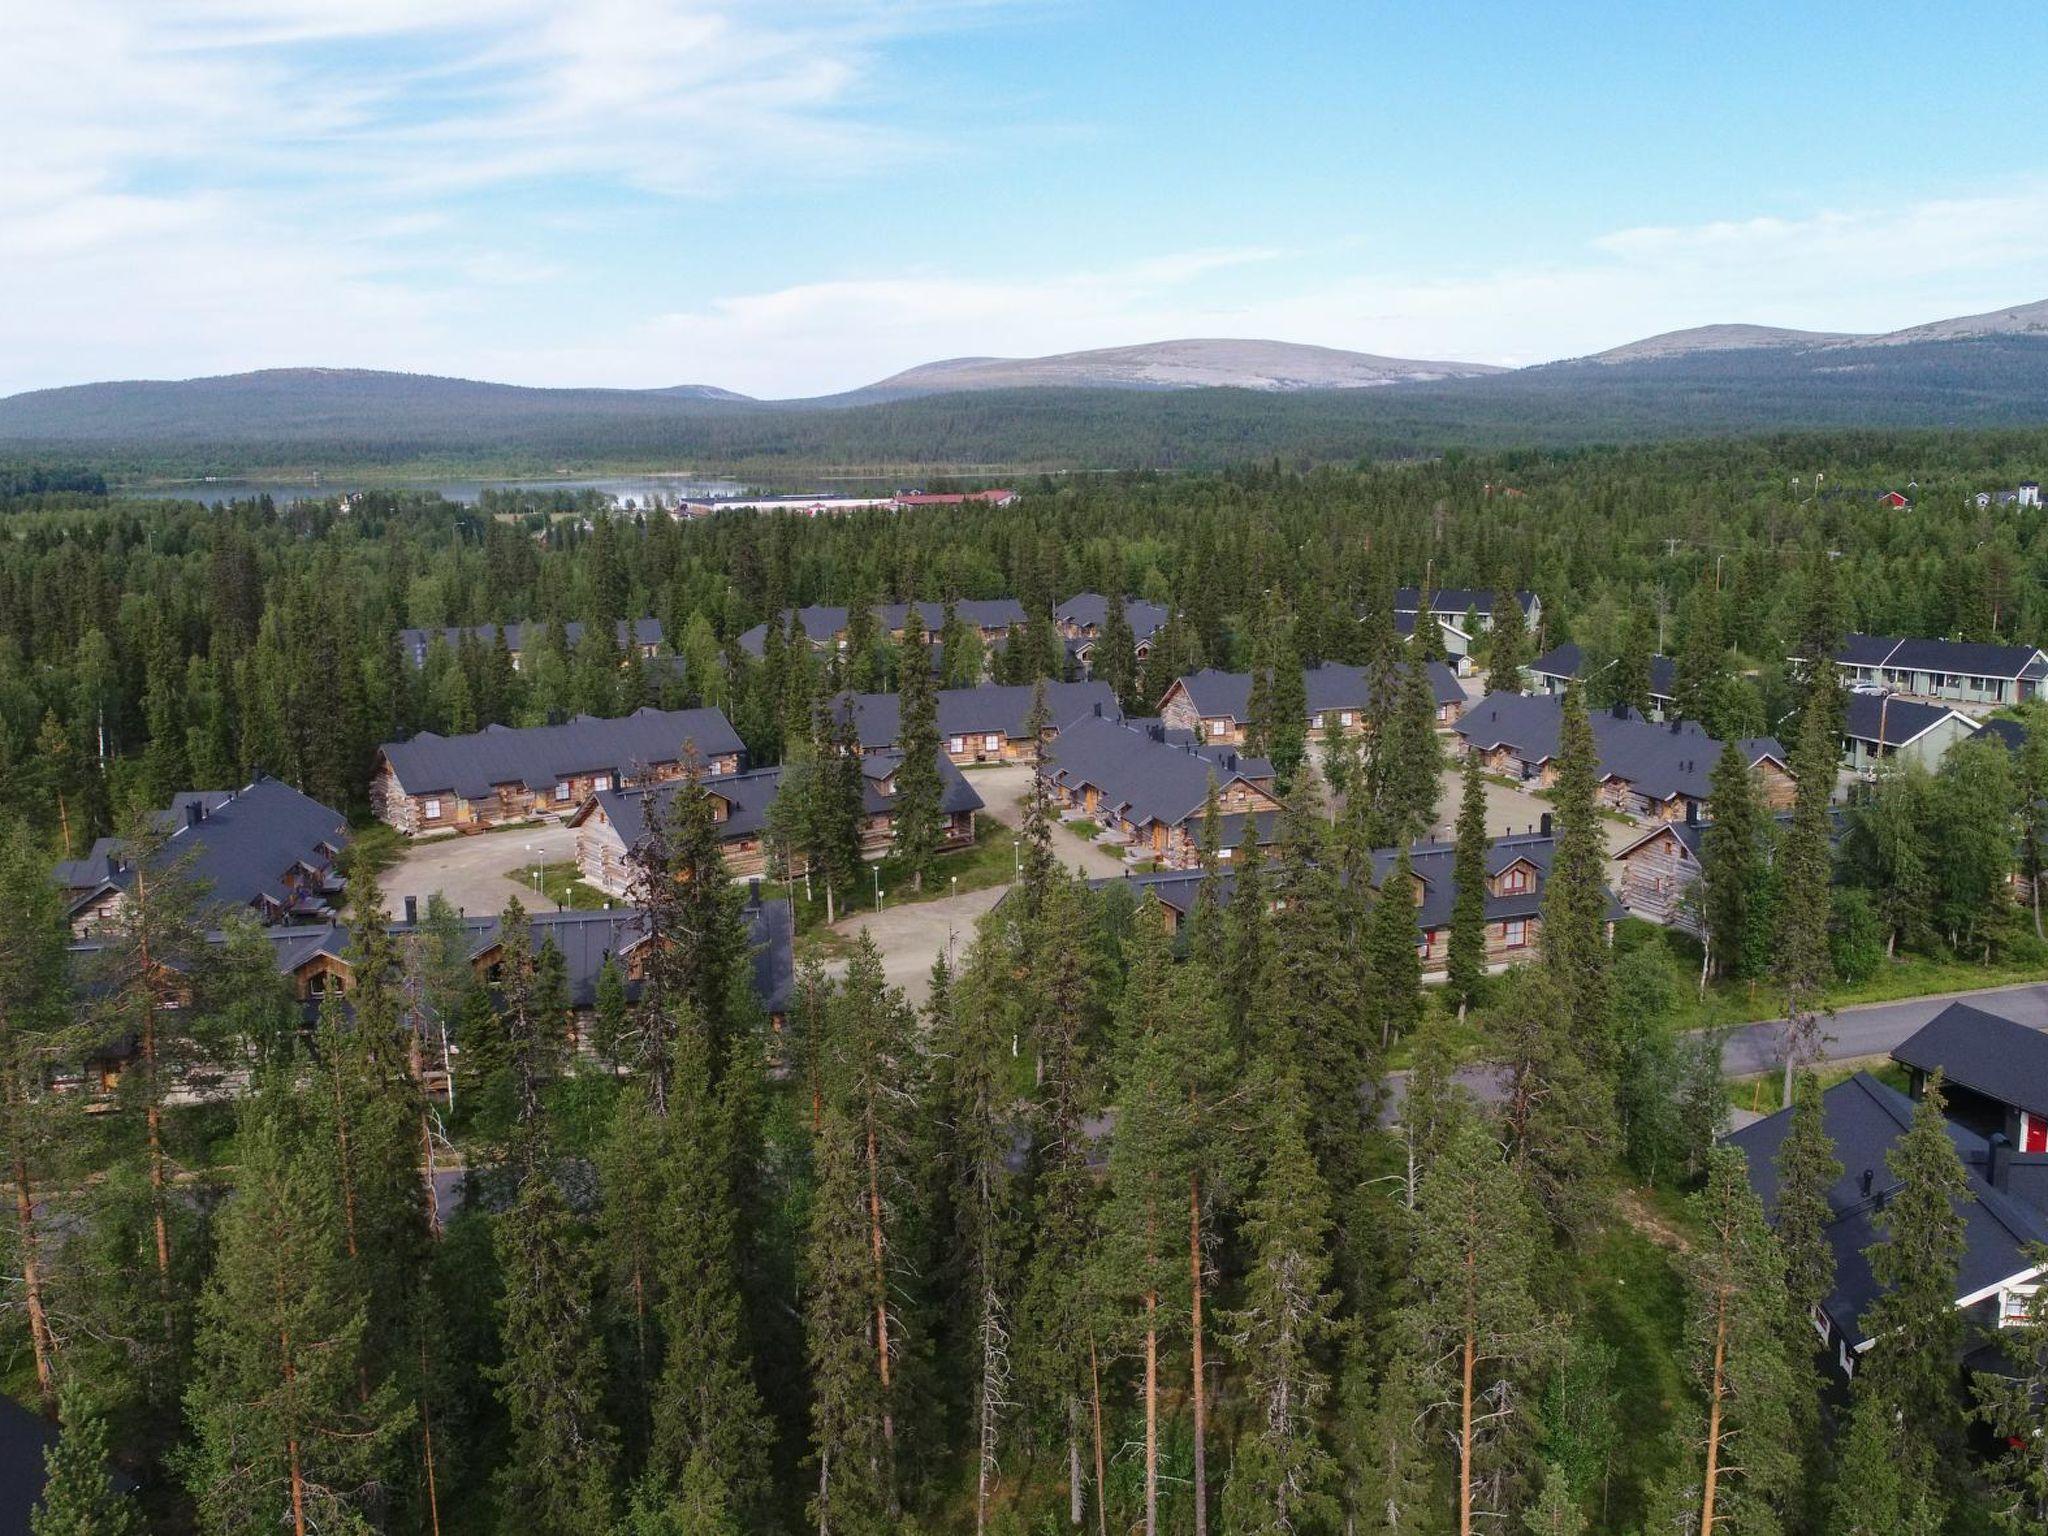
(1865, 1119)
(1565, 661)
(1658, 761)
(824, 622)
(1090, 610)
(523, 636)
(237, 846)
(1144, 771)
(1333, 685)
(24, 1436)
(1984, 1052)
(538, 756)
(993, 708)
(1969, 658)
(1456, 602)
(1902, 721)
(749, 795)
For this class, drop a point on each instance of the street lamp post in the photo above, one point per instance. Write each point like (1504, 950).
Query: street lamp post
(878, 887)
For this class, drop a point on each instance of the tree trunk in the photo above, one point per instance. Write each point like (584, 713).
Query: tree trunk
(1465, 1403)
(1074, 1510)
(427, 1440)
(1101, 1477)
(1714, 1395)
(1151, 1413)
(291, 1441)
(416, 1062)
(875, 1249)
(1201, 1411)
(32, 1282)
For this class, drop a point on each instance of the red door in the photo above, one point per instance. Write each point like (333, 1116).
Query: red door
(2036, 1135)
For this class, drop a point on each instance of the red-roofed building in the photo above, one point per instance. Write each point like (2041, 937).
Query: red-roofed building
(995, 498)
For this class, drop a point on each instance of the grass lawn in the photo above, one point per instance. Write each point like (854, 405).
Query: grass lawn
(992, 861)
(1082, 827)
(1764, 1093)
(561, 885)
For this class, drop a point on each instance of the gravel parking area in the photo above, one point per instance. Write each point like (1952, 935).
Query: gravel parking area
(477, 874)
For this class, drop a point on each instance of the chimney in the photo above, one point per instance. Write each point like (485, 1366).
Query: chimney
(1098, 709)
(1692, 813)
(1869, 1178)
(1543, 826)
(195, 812)
(412, 909)
(113, 865)
(2001, 1160)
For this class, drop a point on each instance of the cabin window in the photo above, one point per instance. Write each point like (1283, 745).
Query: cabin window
(1819, 1319)
(1847, 1357)
(992, 742)
(562, 790)
(959, 744)
(1223, 854)
(2014, 1306)
(1344, 717)
(1516, 879)
(601, 781)
(431, 810)
(1515, 932)
(1317, 721)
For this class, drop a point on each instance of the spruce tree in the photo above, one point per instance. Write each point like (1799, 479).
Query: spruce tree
(1881, 1483)
(79, 1496)
(1802, 964)
(1465, 964)
(1575, 895)
(1734, 869)
(1807, 1170)
(1286, 730)
(2009, 1404)
(1702, 664)
(1283, 1477)
(920, 818)
(1116, 654)
(1918, 1333)
(1507, 642)
(1392, 953)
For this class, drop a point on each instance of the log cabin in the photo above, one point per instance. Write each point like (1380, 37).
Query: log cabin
(506, 774)
(1216, 706)
(988, 724)
(521, 639)
(1147, 785)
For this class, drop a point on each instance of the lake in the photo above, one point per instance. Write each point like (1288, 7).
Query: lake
(640, 489)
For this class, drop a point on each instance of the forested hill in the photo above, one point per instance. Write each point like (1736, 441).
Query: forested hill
(325, 418)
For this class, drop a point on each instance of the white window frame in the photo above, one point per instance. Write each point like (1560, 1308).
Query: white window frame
(1344, 717)
(430, 809)
(600, 781)
(1819, 1319)
(959, 744)
(1218, 729)
(562, 790)
(992, 741)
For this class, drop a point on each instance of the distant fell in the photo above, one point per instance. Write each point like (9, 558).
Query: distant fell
(1719, 338)
(1194, 363)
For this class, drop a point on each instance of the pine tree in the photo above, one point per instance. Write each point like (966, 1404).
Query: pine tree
(1881, 1483)
(35, 1005)
(1745, 1456)
(1702, 665)
(288, 1427)
(1286, 728)
(1479, 1332)
(1575, 896)
(971, 1027)
(1555, 1512)
(1734, 869)
(920, 819)
(1413, 757)
(1558, 1113)
(79, 1497)
(1283, 1477)
(1911, 1368)
(1465, 964)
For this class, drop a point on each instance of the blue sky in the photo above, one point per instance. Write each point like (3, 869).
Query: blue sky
(796, 196)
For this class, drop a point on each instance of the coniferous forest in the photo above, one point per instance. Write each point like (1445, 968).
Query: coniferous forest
(1121, 1229)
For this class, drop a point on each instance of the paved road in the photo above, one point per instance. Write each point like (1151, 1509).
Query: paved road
(1870, 1030)
(912, 935)
(476, 873)
(1003, 789)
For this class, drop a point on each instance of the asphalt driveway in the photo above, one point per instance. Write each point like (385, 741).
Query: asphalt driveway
(477, 874)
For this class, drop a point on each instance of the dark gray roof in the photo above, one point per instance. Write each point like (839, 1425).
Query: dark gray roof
(24, 1436)
(1983, 1052)
(518, 636)
(1333, 685)
(1968, 658)
(1901, 720)
(748, 796)
(823, 622)
(997, 708)
(537, 756)
(1456, 602)
(1140, 772)
(238, 848)
(1865, 1119)
(2011, 732)
(1433, 863)
(1659, 761)
(1090, 610)
(1564, 661)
